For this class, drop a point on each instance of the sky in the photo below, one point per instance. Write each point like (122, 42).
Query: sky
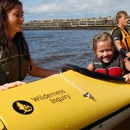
(72, 9)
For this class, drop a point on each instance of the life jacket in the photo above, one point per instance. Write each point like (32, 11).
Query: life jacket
(114, 68)
(125, 38)
(14, 67)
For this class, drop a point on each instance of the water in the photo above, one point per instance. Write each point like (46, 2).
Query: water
(52, 49)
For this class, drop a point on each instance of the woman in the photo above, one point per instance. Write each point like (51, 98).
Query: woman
(15, 60)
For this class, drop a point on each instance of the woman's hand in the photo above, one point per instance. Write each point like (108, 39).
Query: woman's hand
(127, 78)
(11, 85)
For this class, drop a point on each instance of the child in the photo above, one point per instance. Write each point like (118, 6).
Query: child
(107, 60)
(121, 34)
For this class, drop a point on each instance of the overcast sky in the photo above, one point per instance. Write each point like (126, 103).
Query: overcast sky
(67, 9)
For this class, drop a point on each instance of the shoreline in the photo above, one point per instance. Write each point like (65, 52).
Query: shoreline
(73, 24)
(70, 28)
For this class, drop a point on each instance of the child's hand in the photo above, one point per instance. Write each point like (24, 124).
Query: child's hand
(127, 63)
(127, 78)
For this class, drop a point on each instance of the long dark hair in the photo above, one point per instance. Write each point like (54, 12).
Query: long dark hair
(5, 41)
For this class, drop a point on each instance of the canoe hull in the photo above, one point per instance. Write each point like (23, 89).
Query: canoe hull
(58, 102)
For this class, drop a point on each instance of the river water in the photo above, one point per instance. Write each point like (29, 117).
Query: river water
(52, 49)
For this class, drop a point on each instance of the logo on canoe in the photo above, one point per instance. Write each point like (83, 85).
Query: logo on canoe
(23, 107)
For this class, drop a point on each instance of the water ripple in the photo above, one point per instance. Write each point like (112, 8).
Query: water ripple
(53, 49)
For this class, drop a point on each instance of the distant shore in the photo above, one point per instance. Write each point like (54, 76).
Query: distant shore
(106, 23)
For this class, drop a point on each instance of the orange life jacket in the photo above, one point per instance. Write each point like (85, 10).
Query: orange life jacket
(125, 38)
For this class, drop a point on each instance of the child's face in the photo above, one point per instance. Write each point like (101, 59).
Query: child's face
(105, 51)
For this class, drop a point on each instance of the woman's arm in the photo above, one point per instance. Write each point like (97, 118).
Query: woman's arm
(40, 72)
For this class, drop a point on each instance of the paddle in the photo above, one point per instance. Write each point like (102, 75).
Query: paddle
(90, 73)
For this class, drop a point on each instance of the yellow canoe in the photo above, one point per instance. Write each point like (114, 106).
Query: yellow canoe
(66, 101)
